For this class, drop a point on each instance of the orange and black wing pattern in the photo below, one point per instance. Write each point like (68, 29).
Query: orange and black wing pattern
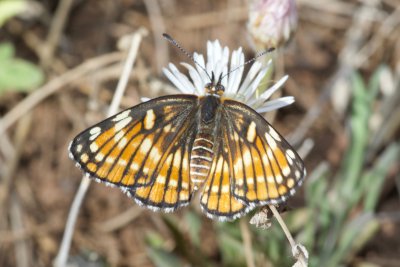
(144, 150)
(264, 168)
(217, 200)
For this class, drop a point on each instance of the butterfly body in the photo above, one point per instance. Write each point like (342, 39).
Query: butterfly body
(202, 150)
(161, 151)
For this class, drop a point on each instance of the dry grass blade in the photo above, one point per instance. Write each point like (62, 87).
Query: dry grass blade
(69, 77)
(62, 256)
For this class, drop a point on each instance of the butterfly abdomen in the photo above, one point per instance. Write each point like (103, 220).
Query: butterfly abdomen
(201, 158)
(202, 149)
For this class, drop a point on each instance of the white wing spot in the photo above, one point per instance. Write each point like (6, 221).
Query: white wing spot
(274, 134)
(93, 147)
(215, 188)
(183, 195)
(161, 179)
(110, 159)
(271, 141)
(251, 132)
(99, 157)
(123, 142)
(118, 136)
(278, 178)
(146, 145)
(84, 158)
(247, 158)
(122, 162)
(270, 154)
(239, 182)
(134, 166)
(177, 159)
(79, 148)
(286, 171)
(238, 166)
(149, 119)
(270, 179)
(94, 136)
(185, 185)
(155, 153)
(173, 183)
(225, 189)
(290, 153)
(236, 136)
(297, 174)
(95, 130)
(260, 179)
(122, 123)
(122, 115)
(250, 180)
(265, 159)
(167, 128)
(290, 182)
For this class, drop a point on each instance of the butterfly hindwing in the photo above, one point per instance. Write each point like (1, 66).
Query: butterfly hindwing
(216, 198)
(143, 148)
(265, 168)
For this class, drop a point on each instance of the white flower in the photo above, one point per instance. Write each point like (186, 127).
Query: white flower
(245, 90)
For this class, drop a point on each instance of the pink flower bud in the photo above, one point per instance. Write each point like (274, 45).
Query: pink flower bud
(271, 22)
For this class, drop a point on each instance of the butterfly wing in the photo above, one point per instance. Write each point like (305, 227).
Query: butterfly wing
(265, 168)
(172, 187)
(143, 150)
(217, 199)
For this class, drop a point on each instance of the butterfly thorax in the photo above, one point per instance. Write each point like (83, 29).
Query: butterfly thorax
(202, 149)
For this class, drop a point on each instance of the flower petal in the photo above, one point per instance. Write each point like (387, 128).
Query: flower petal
(275, 87)
(196, 78)
(275, 104)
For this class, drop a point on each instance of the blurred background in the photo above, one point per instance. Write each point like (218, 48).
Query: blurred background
(60, 61)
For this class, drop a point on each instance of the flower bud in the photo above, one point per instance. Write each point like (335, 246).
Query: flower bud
(271, 22)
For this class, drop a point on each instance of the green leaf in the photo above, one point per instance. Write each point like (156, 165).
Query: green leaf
(10, 8)
(194, 226)
(6, 51)
(158, 255)
(162, 258)
(231, 250)
(17, 74)
(375, 178)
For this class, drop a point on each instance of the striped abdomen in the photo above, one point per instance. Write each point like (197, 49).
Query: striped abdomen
(201, 158)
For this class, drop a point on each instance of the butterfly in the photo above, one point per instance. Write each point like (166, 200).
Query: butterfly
(162, 151)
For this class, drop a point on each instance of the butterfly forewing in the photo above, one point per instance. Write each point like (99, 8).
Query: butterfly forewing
(143, 150)
(265, 168)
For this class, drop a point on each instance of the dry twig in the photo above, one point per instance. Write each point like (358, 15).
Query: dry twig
(248, 248)
(62, 256)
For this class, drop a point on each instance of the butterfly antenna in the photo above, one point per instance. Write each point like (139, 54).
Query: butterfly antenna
(269, 50)
(175, 43)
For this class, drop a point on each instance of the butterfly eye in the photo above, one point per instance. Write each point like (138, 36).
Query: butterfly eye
(209, 86)
(219, 87)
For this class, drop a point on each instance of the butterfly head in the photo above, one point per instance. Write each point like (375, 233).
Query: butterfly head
(215, 88)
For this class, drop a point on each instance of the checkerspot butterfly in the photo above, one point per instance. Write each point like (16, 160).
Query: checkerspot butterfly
(162, 151)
